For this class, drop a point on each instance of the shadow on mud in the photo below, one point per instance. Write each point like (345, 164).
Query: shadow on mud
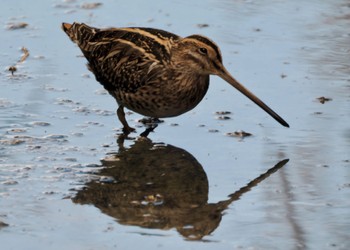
(154, 185)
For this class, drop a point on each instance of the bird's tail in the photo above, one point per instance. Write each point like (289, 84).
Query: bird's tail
(79, 33)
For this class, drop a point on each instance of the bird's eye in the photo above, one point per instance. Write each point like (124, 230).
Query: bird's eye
(203, 51)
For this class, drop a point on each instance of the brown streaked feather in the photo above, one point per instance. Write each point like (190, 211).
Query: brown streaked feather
(153, 41)
(122, 59)
(79, 33)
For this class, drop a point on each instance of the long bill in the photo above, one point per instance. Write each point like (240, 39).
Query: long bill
(228, 78)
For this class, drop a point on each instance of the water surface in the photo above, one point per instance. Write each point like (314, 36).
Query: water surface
(67, 182)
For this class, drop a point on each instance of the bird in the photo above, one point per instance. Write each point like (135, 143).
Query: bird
(153, 72)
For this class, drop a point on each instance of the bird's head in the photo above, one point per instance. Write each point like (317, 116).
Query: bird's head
(199, 55)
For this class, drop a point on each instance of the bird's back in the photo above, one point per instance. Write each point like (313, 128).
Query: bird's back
(122, 58)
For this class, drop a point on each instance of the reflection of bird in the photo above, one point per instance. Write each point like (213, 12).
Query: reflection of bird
(159, 186)
(153, 72)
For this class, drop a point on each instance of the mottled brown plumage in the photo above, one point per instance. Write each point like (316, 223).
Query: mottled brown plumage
(151, 71)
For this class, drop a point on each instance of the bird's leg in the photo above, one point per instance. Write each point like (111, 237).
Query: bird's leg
(121, 115)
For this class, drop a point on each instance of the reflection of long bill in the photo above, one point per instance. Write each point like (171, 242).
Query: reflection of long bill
(228, 78)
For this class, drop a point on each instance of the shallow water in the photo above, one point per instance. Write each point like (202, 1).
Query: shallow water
(67, 182)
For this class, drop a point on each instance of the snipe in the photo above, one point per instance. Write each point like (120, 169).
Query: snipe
(153, 72)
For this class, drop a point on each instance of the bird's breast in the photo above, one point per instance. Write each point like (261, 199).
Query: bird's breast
(167, 97)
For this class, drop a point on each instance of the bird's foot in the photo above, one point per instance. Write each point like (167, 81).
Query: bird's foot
(148, 130)
(149, 121)
(150, 124)
(127, 130)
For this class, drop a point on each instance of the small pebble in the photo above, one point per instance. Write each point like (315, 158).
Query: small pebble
(18, 130)
(323, 99)
(16, 26)
(3, 224)
(240, 133)
(10, 182)
(12, 142)
(107, 179)
(89, 6)
(55, 137)
(223, 117)
(202, 25)
(223, 112)
(213, 131)
(41, 124)
(71, 159)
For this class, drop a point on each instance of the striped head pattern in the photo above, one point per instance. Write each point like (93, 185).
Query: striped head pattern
(201, 54)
